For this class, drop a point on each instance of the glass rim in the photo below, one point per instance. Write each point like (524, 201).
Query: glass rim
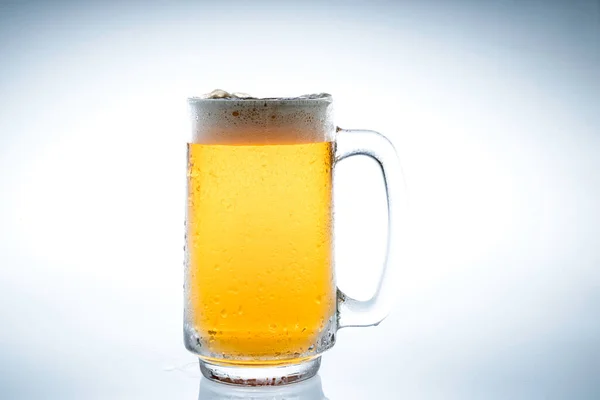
(309, 99)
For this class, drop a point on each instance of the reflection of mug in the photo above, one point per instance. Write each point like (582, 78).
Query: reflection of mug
(310, 389)
(261, 303)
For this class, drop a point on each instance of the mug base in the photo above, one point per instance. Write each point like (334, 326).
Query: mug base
(260, 375)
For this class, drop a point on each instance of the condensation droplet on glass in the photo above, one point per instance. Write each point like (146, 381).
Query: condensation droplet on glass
(223, 313)
(232, 290)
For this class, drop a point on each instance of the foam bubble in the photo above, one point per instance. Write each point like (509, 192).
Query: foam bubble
(222, 94)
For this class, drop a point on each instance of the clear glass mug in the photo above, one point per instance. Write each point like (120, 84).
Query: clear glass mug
(261, 304)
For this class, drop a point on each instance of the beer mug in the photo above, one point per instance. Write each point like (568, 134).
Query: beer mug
(261, 304)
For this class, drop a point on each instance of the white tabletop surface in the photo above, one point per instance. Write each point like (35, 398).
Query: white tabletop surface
(492, 106)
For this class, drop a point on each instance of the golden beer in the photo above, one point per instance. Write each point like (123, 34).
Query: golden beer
(260, 281)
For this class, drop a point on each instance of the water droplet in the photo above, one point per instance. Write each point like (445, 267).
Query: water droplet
(223, 313)
(273, 327)
(232, 290)
(318, 299)
(311, 348)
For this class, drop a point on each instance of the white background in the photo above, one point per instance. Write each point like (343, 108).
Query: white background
(494, 110)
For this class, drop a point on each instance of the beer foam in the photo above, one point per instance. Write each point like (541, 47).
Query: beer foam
(221, 117)
(222, 94)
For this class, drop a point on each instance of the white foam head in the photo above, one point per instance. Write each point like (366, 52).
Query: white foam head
(237, 118)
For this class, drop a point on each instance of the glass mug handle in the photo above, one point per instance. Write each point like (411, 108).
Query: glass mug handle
(353, 142)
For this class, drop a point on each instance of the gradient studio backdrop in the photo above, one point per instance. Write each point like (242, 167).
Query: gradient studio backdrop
(494, 108)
